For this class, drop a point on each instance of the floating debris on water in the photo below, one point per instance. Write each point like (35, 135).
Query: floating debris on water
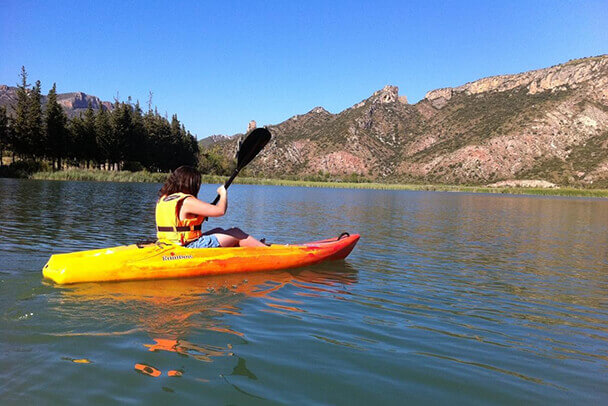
(147, 370)
(77, 360)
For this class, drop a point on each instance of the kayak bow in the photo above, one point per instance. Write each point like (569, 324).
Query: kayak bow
(162, 260)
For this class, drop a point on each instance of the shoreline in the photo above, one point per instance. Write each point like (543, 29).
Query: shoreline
(149, 177)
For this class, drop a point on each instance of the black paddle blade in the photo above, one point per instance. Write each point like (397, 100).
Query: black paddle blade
(251, 146)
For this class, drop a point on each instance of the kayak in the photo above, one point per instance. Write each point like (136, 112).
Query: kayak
(162, 260)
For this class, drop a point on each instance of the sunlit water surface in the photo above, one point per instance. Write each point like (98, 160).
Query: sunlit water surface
(448, 298)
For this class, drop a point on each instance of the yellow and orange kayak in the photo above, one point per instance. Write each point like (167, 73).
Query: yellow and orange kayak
(162, 260)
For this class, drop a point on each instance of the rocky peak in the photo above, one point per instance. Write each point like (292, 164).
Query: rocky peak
(318, 110)
(388, 94)
(315, 112)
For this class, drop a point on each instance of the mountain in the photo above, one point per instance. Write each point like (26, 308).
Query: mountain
(73, 103)
(549, 124)
(214, 139)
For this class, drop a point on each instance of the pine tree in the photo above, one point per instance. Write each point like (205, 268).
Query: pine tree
(56, 129)
(150, 94)
(122, 131)
(4, 133)
(35, 136)
(76, 140)
(175, 158)
(152, 140)
(20, 126)
(159, 142)
(191, 146)
(185, 147)
(103, 135)
(89, 143)
(138, 139)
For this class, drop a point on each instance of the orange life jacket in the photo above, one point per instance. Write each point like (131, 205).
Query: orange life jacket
(170, 227)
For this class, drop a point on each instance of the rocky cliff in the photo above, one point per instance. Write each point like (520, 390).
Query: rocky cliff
(73, 103)
(549, 124)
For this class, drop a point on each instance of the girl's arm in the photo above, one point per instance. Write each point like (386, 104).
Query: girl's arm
(194, 206)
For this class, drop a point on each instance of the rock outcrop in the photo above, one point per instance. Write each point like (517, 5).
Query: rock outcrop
(560, 77)
(73, 103)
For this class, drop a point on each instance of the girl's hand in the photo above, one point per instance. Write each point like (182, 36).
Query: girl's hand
(221, 191)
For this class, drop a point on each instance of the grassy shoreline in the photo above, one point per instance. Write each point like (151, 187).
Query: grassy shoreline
(143, 176)
(98, 175)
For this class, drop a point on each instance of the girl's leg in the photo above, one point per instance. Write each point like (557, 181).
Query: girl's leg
(223, 238)
(251, 242)
(234, 237)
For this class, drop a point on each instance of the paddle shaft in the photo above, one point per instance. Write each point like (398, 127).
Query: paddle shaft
(228, 183)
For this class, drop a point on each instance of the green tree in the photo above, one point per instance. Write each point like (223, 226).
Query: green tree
(56, 129)
(138, 141)
(182, 146)
(189, 151)
(88, 136)
(152, 140)
(35, 136)
(20, 125)
(122, 131)
(213, 162)
(5, 136)
(161, 143)
(175, 142)
(124, 124)
(76, 140)
(103, 136)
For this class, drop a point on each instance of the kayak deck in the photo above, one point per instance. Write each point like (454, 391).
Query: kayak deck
(162, 260)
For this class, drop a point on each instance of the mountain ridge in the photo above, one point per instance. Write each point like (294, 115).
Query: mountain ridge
(548, 124)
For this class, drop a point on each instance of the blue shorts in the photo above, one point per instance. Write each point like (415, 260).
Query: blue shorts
(206, 241)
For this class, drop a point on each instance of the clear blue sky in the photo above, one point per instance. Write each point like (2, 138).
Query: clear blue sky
(220, 64)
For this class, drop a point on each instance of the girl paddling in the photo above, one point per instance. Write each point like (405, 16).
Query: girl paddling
(179, 214)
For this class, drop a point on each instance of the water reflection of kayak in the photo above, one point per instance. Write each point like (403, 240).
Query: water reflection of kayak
(161, 260)
(214, 291)
(175, 312)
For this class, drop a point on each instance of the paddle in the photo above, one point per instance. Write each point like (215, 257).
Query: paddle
(250, 147)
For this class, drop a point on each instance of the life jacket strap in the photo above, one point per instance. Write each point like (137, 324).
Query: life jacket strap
(179, 229)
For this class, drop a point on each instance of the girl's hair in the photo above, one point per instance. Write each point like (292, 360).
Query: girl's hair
(184, 179)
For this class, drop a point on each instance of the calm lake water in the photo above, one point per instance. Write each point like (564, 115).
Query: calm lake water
(448, 298)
